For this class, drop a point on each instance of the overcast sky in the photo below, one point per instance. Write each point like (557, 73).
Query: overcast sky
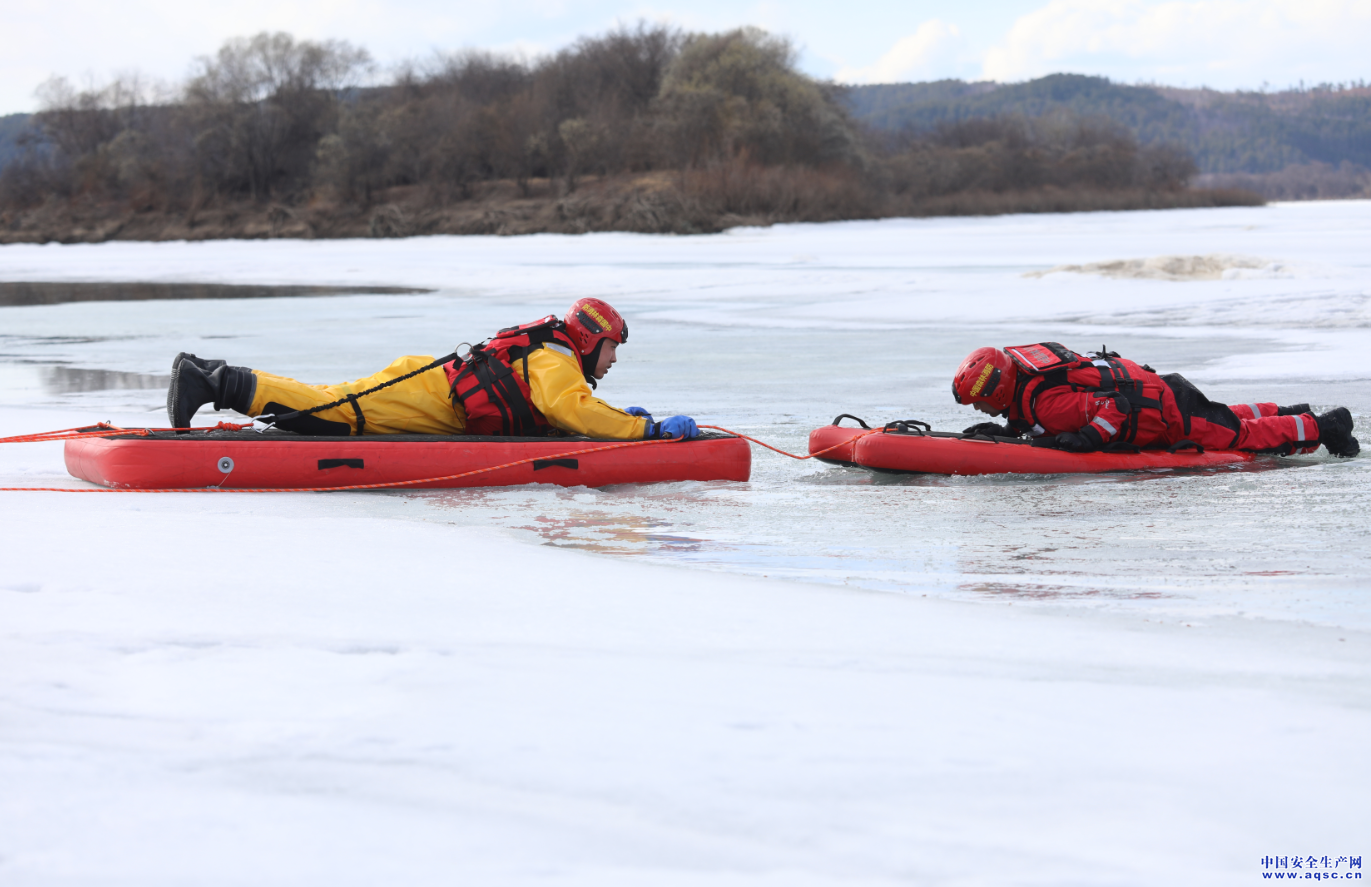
(1225, 44)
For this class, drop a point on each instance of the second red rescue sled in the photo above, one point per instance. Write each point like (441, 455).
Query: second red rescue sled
(908, 447)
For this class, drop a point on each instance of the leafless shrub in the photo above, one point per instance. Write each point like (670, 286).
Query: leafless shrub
(741, 188)
(1303, 181)
(261, 104)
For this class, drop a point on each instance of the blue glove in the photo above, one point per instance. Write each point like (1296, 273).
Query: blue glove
(676, 426)
(639, 411)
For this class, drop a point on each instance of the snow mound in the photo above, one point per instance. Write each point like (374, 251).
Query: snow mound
(1215, 266)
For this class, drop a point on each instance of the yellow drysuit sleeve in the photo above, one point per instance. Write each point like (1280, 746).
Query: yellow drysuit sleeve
(561, 394)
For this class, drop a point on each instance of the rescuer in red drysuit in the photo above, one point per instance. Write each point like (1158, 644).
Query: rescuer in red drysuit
(1088, 403)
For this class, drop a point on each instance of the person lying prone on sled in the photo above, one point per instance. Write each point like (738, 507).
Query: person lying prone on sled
(1081, 404)
(533, 380)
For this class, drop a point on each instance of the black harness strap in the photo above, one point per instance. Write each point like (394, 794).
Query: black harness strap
(1115, 383)
(537, 338)
(486, 383)
(524, 424)
(497, 380)
(361, 419)
(1051, 379)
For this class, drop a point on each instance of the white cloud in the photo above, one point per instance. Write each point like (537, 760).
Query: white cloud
(927, 54)
(1223, 43)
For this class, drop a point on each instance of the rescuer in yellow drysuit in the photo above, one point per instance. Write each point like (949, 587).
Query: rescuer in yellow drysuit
(533, 380)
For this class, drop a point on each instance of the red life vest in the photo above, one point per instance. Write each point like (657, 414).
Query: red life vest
(1136, 390)
(496, 400)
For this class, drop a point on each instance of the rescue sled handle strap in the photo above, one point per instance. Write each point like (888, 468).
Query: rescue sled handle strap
(838, 420)
(908, 426)
(352, 398)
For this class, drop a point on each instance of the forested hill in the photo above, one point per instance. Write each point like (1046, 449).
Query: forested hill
(645, 129)
(1226, 132)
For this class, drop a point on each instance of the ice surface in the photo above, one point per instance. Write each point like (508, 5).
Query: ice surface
(820, 676)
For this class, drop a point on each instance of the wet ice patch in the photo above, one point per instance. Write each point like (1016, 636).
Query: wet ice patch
(1215, 266)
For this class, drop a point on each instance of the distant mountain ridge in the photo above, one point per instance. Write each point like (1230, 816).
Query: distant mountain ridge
(1226, 132)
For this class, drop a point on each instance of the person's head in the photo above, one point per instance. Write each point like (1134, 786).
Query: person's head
(597, 329)
(985, 380)
(605, 355)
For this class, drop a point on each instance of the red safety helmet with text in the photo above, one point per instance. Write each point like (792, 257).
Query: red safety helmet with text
(986, 376)
(591, 321)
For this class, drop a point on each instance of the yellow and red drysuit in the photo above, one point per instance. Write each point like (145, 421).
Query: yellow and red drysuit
(423, 405)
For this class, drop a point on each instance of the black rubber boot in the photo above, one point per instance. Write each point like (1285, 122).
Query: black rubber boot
(191, 388)
(1335, 433)
(1298, 409)
(208, 366)
(237, 386)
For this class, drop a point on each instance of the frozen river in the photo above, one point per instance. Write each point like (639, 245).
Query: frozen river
(821, 676)
(773, 332)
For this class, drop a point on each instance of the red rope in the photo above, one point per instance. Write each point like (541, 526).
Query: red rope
(228, 426)
(759, 443)
(104, 429)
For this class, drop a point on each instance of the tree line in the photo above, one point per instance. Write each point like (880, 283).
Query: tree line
(711, 124)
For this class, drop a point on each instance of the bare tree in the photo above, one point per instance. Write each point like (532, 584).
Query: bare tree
(264, 103)
(740, 93)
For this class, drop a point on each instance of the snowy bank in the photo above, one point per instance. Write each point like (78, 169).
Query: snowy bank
(218, 689)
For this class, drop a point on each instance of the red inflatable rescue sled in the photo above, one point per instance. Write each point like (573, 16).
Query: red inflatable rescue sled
(281, 460)
(911, 447)
(834, 442)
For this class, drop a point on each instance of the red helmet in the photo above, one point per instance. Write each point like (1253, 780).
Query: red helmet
(986, 376)
(589, 321)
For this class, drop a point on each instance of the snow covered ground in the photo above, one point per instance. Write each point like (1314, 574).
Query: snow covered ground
(818, 677)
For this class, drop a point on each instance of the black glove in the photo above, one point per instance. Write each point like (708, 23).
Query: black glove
(1075, 443)
(992, 429)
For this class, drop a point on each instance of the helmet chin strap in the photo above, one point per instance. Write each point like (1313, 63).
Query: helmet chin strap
(590, 361)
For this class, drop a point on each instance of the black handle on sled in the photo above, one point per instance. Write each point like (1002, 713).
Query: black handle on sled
(540, 464)
(907, 426)
(1185, 445)
(842, 416)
